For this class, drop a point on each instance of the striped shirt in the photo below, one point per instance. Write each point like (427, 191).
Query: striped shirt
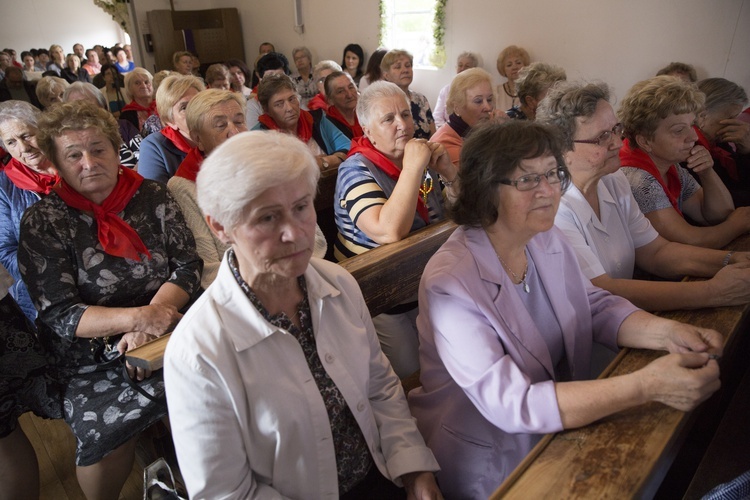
(361, 185)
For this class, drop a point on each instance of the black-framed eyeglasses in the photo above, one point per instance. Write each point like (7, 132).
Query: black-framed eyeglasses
(604, 138)
(528, 182)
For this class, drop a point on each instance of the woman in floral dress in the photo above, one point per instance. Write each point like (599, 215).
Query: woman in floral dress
(109, 262)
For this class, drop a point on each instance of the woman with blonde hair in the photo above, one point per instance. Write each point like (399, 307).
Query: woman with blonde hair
(162, 152)
(470, 102)
(56, 59)
(465, 60)
(509, 64)
(139, 85)
(50, 89)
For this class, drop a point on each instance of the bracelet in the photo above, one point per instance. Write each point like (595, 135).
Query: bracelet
(727, 259)
(447, 183)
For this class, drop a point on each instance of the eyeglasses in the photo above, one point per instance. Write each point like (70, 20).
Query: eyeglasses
(617, 131)
(530, 181)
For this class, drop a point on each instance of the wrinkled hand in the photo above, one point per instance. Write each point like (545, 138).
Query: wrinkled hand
(130, 341)
(699, 160)
(441, 162)
(681, 381)
(157, 319)
(735, 131)
(685, 338)
(417, 155)
(733, 282)
(421, 486)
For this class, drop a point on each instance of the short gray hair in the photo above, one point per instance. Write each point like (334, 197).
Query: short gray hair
(567, 101)
(470, 56)
(323, 65)
(234, 174)
(19, 111)
(306, 51)
(721, 92)
(536, 78)
(88, 90)
(373, 93)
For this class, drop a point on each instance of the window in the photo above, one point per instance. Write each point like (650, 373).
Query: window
(411, 25)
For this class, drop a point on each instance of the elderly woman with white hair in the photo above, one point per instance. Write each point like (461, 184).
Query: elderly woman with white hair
(387, 188)
(139, 84)
(320, 73)
(27, 178)
(131, 138)
(471, 101)
(466, 60)
(303, 403)
(162, 153)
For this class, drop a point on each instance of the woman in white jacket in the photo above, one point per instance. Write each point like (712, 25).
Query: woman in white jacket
(276, 384)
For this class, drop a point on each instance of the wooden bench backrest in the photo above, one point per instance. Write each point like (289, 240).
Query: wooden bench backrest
(387, 275)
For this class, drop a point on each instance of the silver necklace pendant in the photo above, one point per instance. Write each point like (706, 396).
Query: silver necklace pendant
(525, 286)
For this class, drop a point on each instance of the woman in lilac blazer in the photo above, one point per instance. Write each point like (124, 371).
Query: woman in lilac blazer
(507, 322)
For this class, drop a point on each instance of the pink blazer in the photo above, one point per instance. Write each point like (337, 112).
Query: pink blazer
(488, 392)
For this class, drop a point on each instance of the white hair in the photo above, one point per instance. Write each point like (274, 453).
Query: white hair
(245, 166)
(373, 93)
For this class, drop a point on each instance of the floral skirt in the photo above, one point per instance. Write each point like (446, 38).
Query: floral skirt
(105, 412)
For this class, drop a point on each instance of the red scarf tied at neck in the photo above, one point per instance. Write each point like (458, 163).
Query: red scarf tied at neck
(334, 113)
(134, 106)
(25, 178)
(116, 236)
(635, 157)
(304, 125)
(177, 139)
(364, 146)
(189, 167)
(719, 154)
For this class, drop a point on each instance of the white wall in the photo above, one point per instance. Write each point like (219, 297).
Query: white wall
(615, 41)
(41, 23)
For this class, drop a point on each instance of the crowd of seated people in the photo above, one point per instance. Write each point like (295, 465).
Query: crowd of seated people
(125, 195)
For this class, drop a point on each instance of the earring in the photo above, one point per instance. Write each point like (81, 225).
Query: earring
(119, 172)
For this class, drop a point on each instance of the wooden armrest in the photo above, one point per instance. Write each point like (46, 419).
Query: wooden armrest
(150, 355)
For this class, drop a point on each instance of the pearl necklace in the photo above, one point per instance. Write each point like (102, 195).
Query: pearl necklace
(522, 279)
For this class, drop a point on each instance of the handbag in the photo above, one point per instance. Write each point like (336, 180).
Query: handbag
(106, 356)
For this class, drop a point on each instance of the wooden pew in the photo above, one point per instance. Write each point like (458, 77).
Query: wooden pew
(628, 455)
(387, 275)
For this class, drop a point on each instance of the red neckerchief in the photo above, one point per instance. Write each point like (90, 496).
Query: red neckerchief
(356, 129)
(134, 106)
(304, 125)
(25, 178)
(177, 139)
(317, 102)
(364, 146)
(635, 157)
(719, 154)
(189, 167)
(116, 236)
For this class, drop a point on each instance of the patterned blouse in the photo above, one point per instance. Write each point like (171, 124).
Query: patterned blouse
(353, 460)
(422, 114)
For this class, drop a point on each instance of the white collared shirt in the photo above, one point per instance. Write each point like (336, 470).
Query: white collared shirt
(606, 245)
